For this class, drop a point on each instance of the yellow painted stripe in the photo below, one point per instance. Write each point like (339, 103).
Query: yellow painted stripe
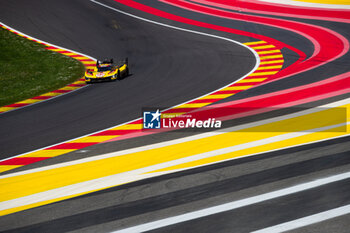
(4, 168)
(68, 88)
(264, 47)
(255, 43)
(70, 54)
(82, 58)
(252, 80)
(4, 109)
(48, 153)
(268, 52)
(88, 62)
(263, 73)
(269, 67)
(27, 184)
(271, 62)
(94, 139)
(57, 50)
(51, 94)
(271, 57)
(196, 105)
(236, 88)
(29, 101)
(261, 149)
(217, 96)
(128, 127)
(79, 82)
(42, 180)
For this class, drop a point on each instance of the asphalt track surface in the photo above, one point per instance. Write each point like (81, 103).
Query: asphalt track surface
(159, 79)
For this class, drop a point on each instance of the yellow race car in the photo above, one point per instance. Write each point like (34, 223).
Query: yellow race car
(107, 70)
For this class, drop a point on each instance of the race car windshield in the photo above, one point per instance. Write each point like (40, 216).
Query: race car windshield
(106, 68)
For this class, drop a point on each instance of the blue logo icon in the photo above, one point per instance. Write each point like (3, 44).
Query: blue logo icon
(151, 120)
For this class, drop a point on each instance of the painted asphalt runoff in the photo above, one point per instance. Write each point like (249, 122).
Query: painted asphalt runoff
(174, 194)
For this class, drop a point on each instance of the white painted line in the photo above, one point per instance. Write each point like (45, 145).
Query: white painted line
(137, 174)
(161, 24)
(234, 205)
(309, 4)
(302, 222)
(185, 139)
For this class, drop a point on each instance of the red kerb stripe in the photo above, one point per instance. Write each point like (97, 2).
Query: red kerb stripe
(22, 160)
(116, 132)
(16, 105)
(40, 97)
(68, 146)
(61, 91)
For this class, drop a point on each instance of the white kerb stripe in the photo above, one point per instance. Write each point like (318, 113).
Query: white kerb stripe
(234, 205)
(302, 222)
(309, 4)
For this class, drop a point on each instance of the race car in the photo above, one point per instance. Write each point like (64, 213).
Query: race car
(106, 70)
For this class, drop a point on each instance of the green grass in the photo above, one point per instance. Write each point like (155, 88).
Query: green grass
(27, 69)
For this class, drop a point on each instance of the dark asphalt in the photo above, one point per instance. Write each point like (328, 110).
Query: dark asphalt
(272, 212)
(159, 79)
(168, 67)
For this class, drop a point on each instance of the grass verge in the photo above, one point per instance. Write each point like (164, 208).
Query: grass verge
(27, 69)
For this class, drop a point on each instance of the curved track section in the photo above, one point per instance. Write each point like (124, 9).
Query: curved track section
(157, 79)
(281, 166)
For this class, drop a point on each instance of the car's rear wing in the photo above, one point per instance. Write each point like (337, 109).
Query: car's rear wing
(105, 61)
